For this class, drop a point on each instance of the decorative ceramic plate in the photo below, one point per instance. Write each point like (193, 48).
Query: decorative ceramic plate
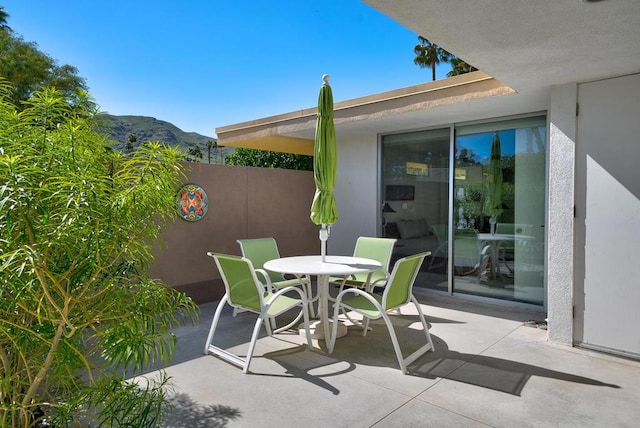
(192, 202)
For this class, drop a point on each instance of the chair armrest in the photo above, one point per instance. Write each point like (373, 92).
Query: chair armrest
(382, 282)
(268, 285)
(289, 289)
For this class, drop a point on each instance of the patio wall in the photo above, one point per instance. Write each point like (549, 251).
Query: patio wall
(244, 202)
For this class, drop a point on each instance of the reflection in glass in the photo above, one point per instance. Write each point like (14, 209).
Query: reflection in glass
(508, 233)
(415, 184)
(497, 234)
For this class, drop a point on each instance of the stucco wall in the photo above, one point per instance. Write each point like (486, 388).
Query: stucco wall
(356, 193)
(244, 202)
(560, 239)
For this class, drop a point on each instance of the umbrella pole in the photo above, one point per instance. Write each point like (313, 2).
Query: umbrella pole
(324, 235)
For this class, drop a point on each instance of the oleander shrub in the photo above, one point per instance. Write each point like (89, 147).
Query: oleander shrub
(79, 313)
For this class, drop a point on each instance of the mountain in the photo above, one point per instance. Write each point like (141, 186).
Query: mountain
(146, 128)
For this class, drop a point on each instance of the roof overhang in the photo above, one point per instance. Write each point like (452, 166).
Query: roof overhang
(383, 112)
(274, 143)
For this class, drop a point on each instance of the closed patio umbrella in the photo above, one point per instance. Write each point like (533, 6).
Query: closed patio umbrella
(323, 208)
(493, 183)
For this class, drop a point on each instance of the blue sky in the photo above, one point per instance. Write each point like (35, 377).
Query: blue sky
(201, 64)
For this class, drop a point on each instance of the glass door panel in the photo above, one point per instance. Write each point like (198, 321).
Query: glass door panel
(414, 199)
(499, 210)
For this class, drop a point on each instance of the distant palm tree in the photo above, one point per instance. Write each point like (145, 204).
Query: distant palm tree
(209, 147)
(131, 140)
(194, 153)
(460, 67)
(429, 55)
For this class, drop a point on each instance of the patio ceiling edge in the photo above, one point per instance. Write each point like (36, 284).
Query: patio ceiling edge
(293, 132)
(274, 143)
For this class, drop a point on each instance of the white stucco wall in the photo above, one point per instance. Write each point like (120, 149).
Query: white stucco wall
(559, 224)
(356, 193)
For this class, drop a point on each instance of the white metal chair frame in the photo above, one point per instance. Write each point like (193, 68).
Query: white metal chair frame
(372, 279)
(278, 280)
(382, 309)
(267, 301)
(380, 249)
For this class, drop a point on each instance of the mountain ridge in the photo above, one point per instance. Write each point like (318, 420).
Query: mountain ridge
(147, 128)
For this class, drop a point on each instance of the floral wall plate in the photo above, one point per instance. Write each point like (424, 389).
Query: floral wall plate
(192, 202)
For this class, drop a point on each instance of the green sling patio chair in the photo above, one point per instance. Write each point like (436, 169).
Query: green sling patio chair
(379, 249)
(470, 255)
(441, 233)
(397, 293)
(244, 290)
(260, 251)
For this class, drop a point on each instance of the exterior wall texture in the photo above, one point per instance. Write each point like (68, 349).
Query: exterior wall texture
(560, 185)
(244, 202)
(356, 193)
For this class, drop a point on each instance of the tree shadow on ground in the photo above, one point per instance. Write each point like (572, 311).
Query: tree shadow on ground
(184, 412)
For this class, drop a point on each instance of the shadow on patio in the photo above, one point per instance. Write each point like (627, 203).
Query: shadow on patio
(375, 350)
(485, 351)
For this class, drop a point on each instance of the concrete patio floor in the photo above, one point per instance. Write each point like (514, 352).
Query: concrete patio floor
(489, 369)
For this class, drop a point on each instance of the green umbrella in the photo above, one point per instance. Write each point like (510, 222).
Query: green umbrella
(323, 208)
(493, 183)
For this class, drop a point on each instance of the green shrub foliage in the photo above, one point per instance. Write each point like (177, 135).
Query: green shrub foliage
(78, 310)
(269, 159)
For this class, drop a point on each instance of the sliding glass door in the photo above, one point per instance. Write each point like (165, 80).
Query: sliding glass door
(494, 225)
(499, 210)
(415, 199)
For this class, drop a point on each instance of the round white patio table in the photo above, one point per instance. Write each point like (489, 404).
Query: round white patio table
(332, 266)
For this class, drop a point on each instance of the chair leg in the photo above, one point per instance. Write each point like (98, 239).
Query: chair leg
(254, 337)
(266, 319)
(209, 348)
(214, 323)
(270, 325)
(404, 362)
(424, 322)
(365, 326)
(394, 340)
